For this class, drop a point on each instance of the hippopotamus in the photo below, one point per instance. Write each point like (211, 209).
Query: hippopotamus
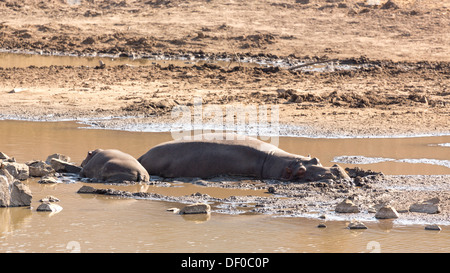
(217, 154)
(113, 166)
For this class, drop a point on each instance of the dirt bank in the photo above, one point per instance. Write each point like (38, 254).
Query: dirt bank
(406, 31)
(385, 98)
(401, 88)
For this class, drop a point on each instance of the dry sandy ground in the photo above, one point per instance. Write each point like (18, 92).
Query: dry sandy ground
(402, 87)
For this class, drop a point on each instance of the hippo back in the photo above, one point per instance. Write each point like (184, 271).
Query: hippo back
(109, 165)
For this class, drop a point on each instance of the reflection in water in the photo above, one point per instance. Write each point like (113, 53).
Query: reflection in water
(13, 218)
(98, 223)
(196, 218)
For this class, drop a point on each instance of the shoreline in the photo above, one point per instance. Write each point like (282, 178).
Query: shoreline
(96, 123)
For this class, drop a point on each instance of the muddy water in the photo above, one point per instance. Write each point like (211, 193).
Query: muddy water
(93, 223)
(9, 60)
(36, 140)
(25, 59)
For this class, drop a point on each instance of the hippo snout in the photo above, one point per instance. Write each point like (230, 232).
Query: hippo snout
(317, 172)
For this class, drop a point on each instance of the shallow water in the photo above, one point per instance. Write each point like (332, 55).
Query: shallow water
(27, 140)
(96, 223)
(10, 59)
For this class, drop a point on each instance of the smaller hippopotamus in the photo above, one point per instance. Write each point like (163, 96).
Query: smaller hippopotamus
(113, 166)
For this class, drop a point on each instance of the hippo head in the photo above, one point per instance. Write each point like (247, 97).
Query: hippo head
(317, 173)
(89, 156)
(294, 171)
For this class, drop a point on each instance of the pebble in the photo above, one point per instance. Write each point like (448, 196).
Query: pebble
(433, 227)
(356, 225)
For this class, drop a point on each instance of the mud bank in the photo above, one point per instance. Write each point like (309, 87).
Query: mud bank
(386, 100)
(314, 199)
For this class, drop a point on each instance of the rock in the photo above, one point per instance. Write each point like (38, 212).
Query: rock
(86, 189)
(430, 206)
(356, 225)
(39, 168)
(389, 5)
(321, 225)
(386, 212)
(17, 170)
(63, 166)
(57, 156)
(52, 207)
(346, 206)
(20, 195)
(48, 179)
(196, 209)
(88, 41)
(174, 210)
(49, 198)
(433, 227)
(5, 194)
(13, 193)
(17, 90)
(3, 156)
(302, 1)
(271, 190)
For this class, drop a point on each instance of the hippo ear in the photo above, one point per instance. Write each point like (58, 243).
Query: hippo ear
(90, 153)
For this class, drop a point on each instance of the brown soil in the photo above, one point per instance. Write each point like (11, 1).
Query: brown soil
(403, 90)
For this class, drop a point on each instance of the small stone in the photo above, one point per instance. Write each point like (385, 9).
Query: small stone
(356, 225)
(174, 210)
(57, 156)
(48, 179)
(346, 206)
(196, 208)
(321, 225)
(86, 189)
(51, 207)
(323, 216)
(271, 190)
(49, 198)
(433, 227)
(386, 212)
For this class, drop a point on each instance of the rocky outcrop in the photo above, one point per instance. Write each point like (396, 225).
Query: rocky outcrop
(13, 193)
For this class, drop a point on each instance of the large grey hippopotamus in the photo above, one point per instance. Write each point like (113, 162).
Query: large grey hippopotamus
(113, 166)
(218, 154)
